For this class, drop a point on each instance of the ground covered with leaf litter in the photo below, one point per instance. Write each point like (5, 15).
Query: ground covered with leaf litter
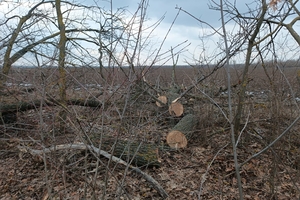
(202, 170)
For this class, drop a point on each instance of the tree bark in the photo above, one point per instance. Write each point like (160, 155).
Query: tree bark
(61, 66)
(8, 111)
(180, 134)
(244, 83)
(138, 153)
(95, 150)
(7, 62)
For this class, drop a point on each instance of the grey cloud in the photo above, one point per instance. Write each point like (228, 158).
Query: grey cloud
(158, 8)
(199, 9)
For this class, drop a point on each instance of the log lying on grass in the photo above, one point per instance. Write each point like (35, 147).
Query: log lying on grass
(182, 131)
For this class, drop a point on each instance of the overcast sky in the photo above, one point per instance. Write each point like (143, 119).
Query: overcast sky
(185, 28)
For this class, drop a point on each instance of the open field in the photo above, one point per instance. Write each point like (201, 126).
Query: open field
(127, 111)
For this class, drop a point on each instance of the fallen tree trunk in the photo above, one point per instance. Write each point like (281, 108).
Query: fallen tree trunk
(19, 106)
(137, 153)
(23, 106)
(180, 134)
(8, 111)
(97, 151)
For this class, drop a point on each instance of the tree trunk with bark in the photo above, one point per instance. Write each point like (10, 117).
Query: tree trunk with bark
(61, 66)
(137, 153)
(180, 134)
(8, 112)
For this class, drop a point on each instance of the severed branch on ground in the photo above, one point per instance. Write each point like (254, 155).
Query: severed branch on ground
(82, 146)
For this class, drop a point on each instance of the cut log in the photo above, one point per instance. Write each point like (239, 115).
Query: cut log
(163, 101)
(141, 154)
(176, 109)
(23, 106)
(95, 150)
(8, 111)
(176, 139)
(180, 134)
(8, 117)
(138, 153)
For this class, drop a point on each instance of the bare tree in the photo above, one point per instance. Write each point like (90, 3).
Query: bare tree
(61, 63)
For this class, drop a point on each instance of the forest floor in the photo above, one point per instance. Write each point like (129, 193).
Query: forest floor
(203, 170)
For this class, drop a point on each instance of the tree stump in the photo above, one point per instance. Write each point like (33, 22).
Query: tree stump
(182, 131)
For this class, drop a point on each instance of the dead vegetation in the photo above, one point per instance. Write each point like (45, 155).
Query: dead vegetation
(128, 113)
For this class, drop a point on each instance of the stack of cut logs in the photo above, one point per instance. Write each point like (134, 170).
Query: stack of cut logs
(182, 131)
